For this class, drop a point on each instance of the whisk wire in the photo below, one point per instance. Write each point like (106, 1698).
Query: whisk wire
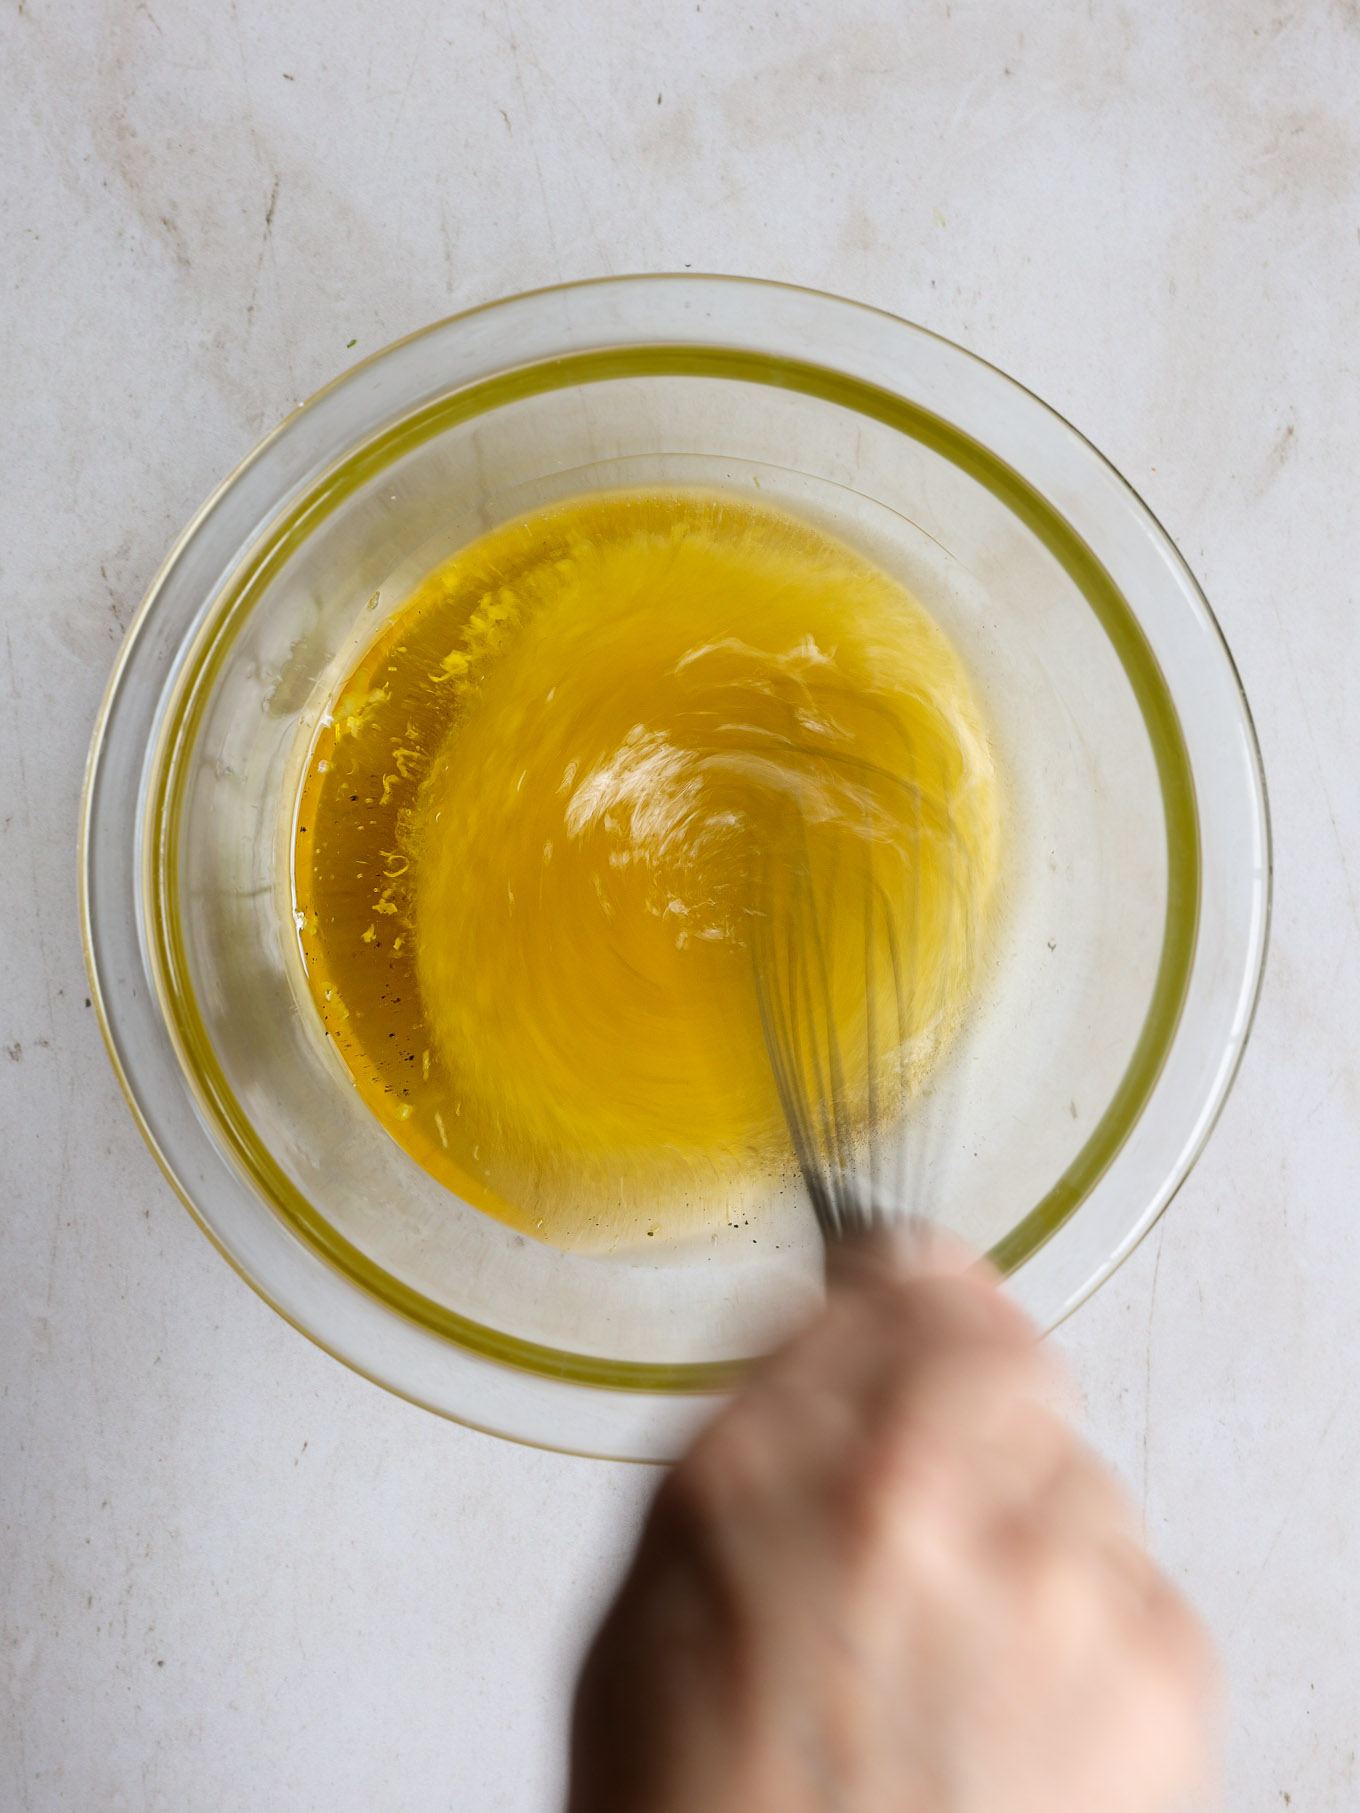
(796, 992)
(837, 1117)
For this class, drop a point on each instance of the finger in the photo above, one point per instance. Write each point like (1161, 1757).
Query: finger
(876, 1321)
(1179, 1640)
(904, 1249)
(1082, 1502)
(885, 1264)
(793, 1420)
(1180, 1693)
(904, 1382)
(941, 1357)
(950, 1348)
(868, 1399)
(959, 1448)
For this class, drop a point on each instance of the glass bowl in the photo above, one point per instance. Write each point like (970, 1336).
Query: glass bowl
(1116, 995)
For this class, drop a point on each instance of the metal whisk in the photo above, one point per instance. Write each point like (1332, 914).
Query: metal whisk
(834, 1116)
(838, 1120)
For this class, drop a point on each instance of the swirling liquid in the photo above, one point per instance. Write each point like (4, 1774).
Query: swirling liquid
(604, 763)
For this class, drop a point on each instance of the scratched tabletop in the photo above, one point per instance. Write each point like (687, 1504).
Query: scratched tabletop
(232, 1574)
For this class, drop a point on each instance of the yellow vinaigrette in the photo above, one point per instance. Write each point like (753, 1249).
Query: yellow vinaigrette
(600, 765)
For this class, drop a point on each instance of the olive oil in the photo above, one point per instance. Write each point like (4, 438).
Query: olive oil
(547, 806)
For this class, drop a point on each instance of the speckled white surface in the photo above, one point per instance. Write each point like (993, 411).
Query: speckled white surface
(233, 1575)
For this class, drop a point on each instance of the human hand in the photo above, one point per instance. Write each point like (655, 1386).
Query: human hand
(889, 1578)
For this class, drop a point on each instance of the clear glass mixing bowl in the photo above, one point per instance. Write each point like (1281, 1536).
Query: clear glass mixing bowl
(1117, 994)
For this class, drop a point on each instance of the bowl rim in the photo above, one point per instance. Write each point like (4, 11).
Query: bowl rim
(205, 647)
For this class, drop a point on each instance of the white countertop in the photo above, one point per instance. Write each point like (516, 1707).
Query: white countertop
(234, 1576)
